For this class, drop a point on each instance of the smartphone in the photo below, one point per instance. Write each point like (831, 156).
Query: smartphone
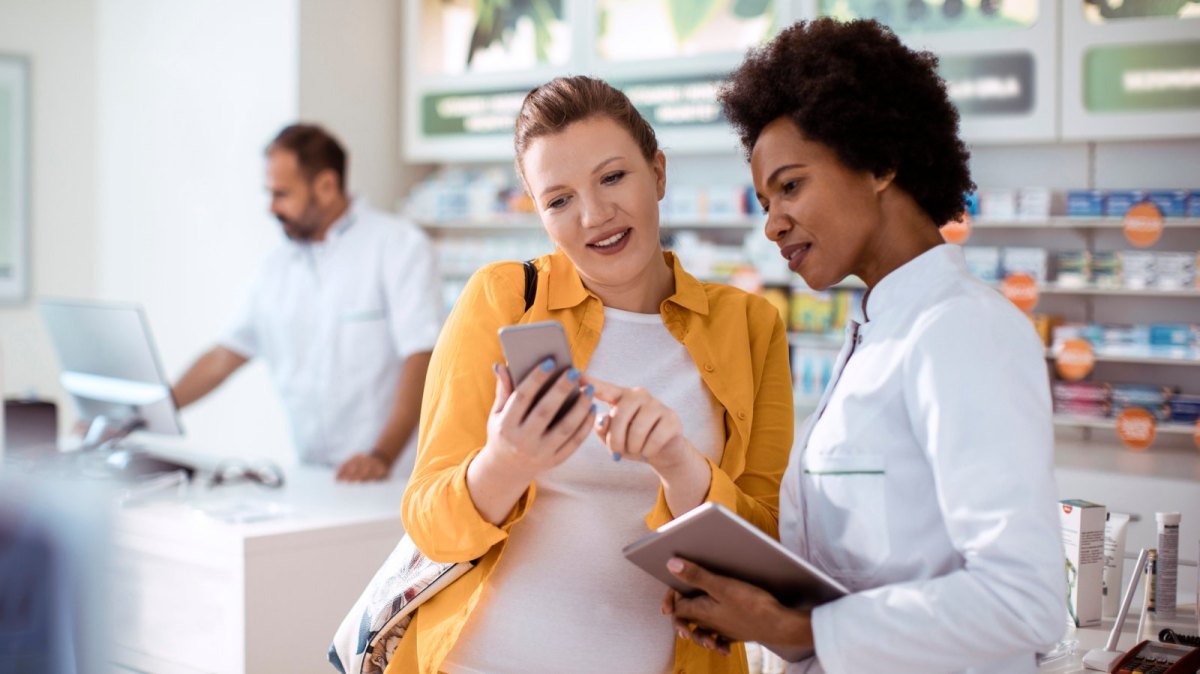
(527, 346)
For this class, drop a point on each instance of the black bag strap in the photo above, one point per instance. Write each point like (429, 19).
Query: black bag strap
(530, 283)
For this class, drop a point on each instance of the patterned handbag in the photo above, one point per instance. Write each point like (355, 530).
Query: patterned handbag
(371, 631)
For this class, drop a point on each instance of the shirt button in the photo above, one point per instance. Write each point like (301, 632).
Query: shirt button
(742, 415)
(708, 367)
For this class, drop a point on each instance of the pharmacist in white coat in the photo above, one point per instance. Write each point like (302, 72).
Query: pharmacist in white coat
(345, 313)
(924, 480)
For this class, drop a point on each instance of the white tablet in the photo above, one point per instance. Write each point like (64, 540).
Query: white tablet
(720, 541)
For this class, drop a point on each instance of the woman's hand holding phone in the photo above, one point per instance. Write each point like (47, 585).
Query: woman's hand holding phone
(521, 435)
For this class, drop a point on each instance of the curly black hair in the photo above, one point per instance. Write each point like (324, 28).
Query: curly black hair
(857, 89)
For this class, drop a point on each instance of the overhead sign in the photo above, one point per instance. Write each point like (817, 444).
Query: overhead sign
(991, 84)
(664, 102)
(1162, 76)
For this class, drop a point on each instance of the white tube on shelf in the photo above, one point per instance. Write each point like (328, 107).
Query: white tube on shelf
(1168, 563)
(1115, 527)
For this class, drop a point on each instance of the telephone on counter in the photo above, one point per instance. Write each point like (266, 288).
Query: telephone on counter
(1153, 657)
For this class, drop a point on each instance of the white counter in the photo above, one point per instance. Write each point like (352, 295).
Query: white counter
(1095, 637)
(194, 593)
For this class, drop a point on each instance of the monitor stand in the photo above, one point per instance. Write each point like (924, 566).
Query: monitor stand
(105, 433)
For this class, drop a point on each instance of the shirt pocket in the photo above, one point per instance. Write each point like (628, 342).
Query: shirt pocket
(364, 342)
(847, 513)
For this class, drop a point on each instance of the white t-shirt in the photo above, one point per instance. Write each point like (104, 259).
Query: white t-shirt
(563, 598)
(335, 320)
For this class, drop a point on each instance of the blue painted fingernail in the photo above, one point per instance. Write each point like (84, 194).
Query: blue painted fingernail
(547, 365)
(588, 392)
(616, 457)
(572, 374)
(593, 408)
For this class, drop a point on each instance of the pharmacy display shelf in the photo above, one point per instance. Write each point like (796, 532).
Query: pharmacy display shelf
(519, 222)
(1052, 289)
(1163, 428)
(1178, 465)
(1139, 360)
(1068, 222)
(817, 340)
(501, 222)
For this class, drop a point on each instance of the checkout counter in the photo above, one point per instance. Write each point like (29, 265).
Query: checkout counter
(242, 578)
(1095, 637)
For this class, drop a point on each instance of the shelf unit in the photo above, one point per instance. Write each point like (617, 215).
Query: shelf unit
(1072, 421)
(1141, 360)
(525, 223)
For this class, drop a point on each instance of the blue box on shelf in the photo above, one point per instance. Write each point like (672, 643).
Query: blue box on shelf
(1172, 203)
(1194, 204)
(1118, 202)
(1085, 203)
(1185, 409)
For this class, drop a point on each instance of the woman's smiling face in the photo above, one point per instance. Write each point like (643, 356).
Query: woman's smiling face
(820, 212)
(597, 197)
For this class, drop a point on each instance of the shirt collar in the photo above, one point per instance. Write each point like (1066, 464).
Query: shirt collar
(337, 229)
(347, 220)
(905, 285)
(567, 290)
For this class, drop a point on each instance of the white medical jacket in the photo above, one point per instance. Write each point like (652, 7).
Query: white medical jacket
(335, 320)
(924, 483)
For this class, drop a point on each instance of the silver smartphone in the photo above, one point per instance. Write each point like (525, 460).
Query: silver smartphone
(528, 346)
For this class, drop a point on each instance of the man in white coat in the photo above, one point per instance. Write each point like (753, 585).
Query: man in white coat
(345, 312)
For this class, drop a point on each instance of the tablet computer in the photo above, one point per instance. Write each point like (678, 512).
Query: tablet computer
(720, 541)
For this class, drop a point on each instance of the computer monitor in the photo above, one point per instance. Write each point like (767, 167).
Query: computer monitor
(110, 366)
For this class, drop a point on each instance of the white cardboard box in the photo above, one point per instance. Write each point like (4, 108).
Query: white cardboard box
(1083, 539)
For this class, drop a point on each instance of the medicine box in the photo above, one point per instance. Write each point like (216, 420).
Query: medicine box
(1024, 260)
(1172, 203)
(1082, 525)
(1120, 201)
(1085, 203)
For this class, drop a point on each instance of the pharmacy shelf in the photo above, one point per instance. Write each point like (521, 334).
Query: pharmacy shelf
(1164, 428)
(1140, 360)
(1087, 458)
(1051, 289)
(528, 221)
(1066, 222)
(517, 222)
(817, 340)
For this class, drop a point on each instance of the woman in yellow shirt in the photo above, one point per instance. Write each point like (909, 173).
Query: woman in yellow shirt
(687, 399)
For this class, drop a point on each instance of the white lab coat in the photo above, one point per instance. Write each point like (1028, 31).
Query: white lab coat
(335, 321)
(924, 483)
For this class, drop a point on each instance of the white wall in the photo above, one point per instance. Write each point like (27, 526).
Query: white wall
(58, 37)
(350, 83)
(189, 95)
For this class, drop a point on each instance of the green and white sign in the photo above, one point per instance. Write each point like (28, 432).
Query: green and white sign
(664, 102)
(1142, 77)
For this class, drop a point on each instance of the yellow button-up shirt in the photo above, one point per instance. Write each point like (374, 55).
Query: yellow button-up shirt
(739, 345)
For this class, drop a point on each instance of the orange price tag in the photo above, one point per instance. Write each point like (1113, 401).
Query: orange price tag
(748, 279)
(1196, 434)
(1136, 427)
(1021, 290)
(957, 231)
(1076, 360)
(1143, 225)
